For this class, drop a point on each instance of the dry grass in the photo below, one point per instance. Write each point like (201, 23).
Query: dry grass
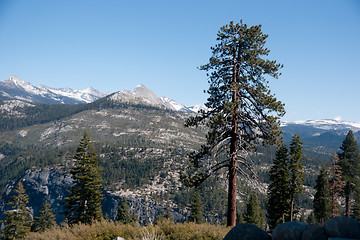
(109, 230)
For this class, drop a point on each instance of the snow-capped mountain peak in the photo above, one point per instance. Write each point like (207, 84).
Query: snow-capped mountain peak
(15, 88)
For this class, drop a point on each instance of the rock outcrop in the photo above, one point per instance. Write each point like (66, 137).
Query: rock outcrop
(52, 185)
(245, 231)
(337, 228)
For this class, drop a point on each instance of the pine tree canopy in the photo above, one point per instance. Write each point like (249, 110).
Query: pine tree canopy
(46, 218)
(18, 220)
(242, 110)
(350, 166)
(296, 172)
(84, 201)
(322, 198)
(123, 214)
(336, 184)
(196, 213)
(253, 213)
(278, 205)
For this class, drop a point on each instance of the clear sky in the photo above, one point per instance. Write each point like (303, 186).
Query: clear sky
(112, 45)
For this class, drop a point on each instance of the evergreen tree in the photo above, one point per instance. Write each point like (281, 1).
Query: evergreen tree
(253, 213)
(350, 166)
(18, 220)
(196, 213)
(336, 185)
(84, 201)
(311, 219)
(322, 198)
(123, 214)
(242, 109)
(356, 207)
(278, 204)
(296, 172)
(46, 218)
(239, 217)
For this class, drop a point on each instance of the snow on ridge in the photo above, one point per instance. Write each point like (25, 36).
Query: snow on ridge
(326, 124)
(86, 96)
(177, 106)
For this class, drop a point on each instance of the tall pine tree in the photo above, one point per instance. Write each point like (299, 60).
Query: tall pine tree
(278, 204)
(322, 198)
(253, 212)
(350, 166)
(296, 172)
(242, 111)
(18, 220)
(46, 218)
(84, 202)
(123, 214)
(336, 185)
(196, 213)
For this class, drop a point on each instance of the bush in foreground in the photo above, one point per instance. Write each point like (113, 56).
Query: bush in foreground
(109, 230)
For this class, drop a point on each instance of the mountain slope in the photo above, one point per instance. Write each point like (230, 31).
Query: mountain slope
(15, 88)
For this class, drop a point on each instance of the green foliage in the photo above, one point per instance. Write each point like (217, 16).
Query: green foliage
(296, 172)
(278, 204)
(350, 166)
(196, 213)
(322, 198)
(253, 212)
(84, 201)
(312, 219)
(46, 218)
(286, 180)
(18, 219)
(123, 214)
(336, 185)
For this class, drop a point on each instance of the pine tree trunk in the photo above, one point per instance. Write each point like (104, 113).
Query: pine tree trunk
(347, 199)
(231, 217)
(347, 205)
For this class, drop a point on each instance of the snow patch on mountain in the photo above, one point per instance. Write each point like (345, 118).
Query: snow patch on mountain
(172, 104)
(197, 108)
(326, 124)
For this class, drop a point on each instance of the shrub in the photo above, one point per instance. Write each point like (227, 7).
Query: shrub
(109, 230)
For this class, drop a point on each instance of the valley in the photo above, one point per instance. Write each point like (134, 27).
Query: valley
(142, 145)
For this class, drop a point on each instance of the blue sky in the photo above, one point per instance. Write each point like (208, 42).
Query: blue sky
(113, 45)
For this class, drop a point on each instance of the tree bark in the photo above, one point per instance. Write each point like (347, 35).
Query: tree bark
(231, 216)
(347, 205)
(347, 199)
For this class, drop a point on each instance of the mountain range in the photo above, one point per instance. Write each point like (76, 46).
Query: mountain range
(15, 88)
(142, 146)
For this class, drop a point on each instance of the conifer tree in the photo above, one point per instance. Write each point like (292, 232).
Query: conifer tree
(242, 110)
(253, 213)
(84, 202)
(350, 166)
(278, 204)
(123, 214)
(296, 172)
(18, 220)
(336, 185)
(196, 213)
(322, 198)
(46, 218)
(356, 207)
